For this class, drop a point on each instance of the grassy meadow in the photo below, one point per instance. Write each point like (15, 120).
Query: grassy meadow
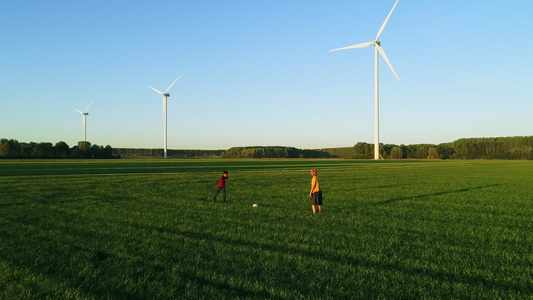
(147, 229)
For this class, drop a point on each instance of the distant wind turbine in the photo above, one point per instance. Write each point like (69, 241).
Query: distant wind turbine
(378, 48)
(85, 114)
(165, 96)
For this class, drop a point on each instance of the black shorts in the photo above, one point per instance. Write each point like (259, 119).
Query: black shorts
(316, 198)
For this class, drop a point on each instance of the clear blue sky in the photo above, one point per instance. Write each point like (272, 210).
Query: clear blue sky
(259, 72)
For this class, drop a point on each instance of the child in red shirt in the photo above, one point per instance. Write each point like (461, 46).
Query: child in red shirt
(222, 186)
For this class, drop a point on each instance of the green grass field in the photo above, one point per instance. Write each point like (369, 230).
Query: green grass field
(146, 229)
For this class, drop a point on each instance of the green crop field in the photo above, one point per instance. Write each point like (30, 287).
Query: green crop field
(147, 229)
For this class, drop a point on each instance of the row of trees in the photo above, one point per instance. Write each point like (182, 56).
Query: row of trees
(273, 152)
(13, 149)
(468, 148)
(158, 153)
(520, 147)
(391, 151)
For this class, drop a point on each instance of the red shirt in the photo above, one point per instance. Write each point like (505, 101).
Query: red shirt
(222, 182)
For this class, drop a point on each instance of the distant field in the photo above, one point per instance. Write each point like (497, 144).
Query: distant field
(146, 229)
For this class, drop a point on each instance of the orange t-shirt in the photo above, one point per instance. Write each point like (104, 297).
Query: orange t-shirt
(314, 183)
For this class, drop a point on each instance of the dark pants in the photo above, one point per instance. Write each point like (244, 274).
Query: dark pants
(316, 198)
(223, 189)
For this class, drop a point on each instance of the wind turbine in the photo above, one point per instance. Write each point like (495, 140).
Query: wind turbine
(85, 114)
(165, 96)
(377, 48)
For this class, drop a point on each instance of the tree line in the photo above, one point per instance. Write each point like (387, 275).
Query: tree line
(273, 152)
(519, 148)
(13, 149)
(158, 153)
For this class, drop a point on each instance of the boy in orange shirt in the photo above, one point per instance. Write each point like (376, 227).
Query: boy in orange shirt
(315, 193)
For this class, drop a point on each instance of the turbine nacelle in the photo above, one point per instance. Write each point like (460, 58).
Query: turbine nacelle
(376, 44)
(85, 111)
(166, 94)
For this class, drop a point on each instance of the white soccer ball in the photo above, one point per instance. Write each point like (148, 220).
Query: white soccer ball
(255, 205)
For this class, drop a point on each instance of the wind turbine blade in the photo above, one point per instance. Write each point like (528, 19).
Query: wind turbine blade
(386, 20)
(78, 111)
(155, 90)
(382, 52)
(172, 84)
(362, 45)
(88, 106)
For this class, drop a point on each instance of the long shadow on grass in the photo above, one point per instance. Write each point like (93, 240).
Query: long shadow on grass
(229, 291)
(398, 199)
(53, 199)
(471, 280)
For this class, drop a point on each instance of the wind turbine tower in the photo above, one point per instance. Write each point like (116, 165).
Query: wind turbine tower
(377, 48)
(165, 96)
(85, 114)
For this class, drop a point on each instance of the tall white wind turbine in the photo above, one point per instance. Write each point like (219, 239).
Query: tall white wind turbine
(165, 96)
(85, 114)
(378, 48)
